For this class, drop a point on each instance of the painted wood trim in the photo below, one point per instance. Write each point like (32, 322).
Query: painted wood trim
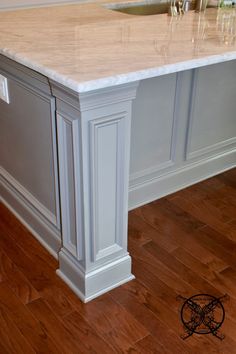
(44, 231)
(34, 202)
(38, 85)
(94, 148)
(165, 166)
(208, 151)
(96, 128)
(173, 181)
(68, 147)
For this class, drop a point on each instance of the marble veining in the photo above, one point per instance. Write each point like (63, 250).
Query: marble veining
(87, 46)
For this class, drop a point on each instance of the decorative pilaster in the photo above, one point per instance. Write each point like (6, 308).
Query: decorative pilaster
(94, 147)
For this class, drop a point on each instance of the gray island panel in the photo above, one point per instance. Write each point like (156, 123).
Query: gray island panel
(51, 136)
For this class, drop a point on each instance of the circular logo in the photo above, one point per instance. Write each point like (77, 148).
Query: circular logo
(203, 314)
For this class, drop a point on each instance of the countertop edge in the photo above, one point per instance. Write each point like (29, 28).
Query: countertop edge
(125, 78)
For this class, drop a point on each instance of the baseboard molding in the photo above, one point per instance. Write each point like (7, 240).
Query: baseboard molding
(160, 186)
(97, 282)
(45, 232)
(34, 203)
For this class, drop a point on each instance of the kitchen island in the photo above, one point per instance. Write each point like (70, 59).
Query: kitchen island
(76, 76)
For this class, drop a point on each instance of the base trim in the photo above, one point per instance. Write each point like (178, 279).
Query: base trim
(96, 282)
(48, 235)
(89, 298)
(171, 182)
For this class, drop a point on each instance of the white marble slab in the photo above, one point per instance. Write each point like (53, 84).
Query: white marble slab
(87, 47)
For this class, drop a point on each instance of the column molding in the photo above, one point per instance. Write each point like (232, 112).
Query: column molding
(93, 132)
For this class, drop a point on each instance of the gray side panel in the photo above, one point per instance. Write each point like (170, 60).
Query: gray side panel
(28, 151)
(26, 142)
(183, 130)
(152, 123)
(28, 156)
(213, 120)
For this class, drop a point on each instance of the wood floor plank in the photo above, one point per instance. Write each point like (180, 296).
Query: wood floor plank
(220, 239)
(182, 244)
(6, 266)
(18, 283)
(158, 314)
(175, 230)
(167, 309)
(215, 218)
(38, 253)
(10, 336)
(158, 212)
(128, 296)
(206, 271)
(223, 280)
(212, 192)
(199, 283)
(150, 345)
(4, 349)
(55, 327)
(41, 276)
(113, 321)
(229, 178)
(183, 272)
(223, 198)
(215, 248)
(26, 323)
(147, 266)
(163, 288)
(168, 312)
(138, 229)
(85, 334)
(19, 256)
(141, 232)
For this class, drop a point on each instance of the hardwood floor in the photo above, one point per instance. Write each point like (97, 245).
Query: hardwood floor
(184, 244)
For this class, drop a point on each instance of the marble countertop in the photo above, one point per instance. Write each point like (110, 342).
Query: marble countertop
(87, 46)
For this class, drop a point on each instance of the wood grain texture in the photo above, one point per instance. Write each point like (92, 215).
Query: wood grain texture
(183, 244)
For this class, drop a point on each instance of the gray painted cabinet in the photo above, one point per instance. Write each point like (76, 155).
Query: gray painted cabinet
(28, 155)
(178, 129)
(212, 126)
(183, 130)
(26, 141)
